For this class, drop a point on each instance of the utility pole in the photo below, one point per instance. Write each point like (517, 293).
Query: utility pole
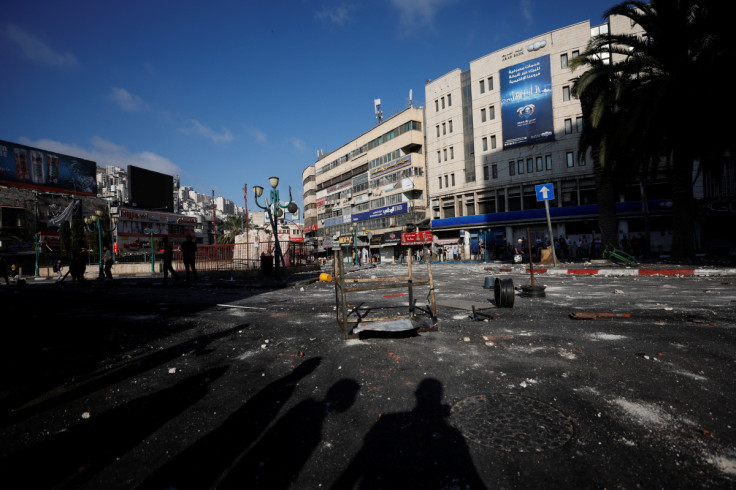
(245, 197)
(214, 216)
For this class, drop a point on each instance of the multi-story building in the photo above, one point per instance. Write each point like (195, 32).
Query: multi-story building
(371, 188)
(501, 128)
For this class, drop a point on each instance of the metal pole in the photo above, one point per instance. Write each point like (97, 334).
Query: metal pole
(551, 237)
(214, 216)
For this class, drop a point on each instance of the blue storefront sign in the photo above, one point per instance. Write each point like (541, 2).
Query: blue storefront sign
(381, 212)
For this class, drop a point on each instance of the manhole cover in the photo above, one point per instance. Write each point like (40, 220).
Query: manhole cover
(511, 423)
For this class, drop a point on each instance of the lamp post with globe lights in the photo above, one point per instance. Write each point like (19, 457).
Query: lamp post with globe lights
(274, 210)
(94, 223)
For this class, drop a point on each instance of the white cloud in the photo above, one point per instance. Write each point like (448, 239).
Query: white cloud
(127, 101)
(105, 152)
(257, 134)
(418, 12)
(297, 143)
(526, 10)
(198, 129)
(339, 15)
(34, 49)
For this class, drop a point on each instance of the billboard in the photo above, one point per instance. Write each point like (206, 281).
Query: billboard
(150, 190)
(526, 103)
(34, 168)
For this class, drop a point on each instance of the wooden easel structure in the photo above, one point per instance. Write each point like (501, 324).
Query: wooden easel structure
(343, 286)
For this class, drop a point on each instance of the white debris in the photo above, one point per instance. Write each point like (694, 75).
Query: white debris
(172, 370)
(85, 415)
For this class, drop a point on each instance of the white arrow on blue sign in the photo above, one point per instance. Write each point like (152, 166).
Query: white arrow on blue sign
(545, 192)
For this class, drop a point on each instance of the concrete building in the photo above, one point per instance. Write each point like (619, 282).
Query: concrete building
(370, 189)
(501, 128)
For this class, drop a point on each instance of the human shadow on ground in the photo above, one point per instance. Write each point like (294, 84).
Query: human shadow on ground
(203, 463)
(87, 384)
(72, 457)
(276, 460)
(416, 449)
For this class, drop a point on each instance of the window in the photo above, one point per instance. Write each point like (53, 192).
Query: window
(482, 115)
(443, 102)
(453, 179)
(568, 126)
(438, 130)
(548, 162)
(444, 129)
(581, 159)
(485, 144)
(520, 166)
(494, 171)
(575, 54)
(512, 168)
(450, 124)
(563, 60)
(492, 112)
(579, 123)
(493, 142)
(570, 159)
(446, 185)
(439, 157)
(440, 179)
(485, 172)
(436, 106)
(482, 87)
(566, 93)
(490, 83)
(452, 153)
(449, 100)
(540, 164)
(529, 165)
(444, 152)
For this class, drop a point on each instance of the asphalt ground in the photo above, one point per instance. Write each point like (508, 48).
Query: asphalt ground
(250, 384)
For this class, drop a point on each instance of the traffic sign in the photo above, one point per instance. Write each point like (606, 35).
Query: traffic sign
(545, 192)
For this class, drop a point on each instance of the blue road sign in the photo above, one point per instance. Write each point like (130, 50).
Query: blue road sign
(545, 192)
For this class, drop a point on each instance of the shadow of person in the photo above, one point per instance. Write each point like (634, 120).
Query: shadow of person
(70, 458)
(203, 463)
(276, 460)
(416, 449)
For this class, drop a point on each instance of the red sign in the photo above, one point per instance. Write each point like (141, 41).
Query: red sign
(416, 238)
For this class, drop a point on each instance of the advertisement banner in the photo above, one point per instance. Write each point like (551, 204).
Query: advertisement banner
(33, 168)
(416, 238)
(381, 212)
(526, 103)
(386, 168)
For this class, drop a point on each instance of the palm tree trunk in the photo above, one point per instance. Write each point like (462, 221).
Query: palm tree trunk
(683, 209)
(606, 195)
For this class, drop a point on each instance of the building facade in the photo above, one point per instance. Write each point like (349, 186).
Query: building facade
(365, 193)
(505, 126)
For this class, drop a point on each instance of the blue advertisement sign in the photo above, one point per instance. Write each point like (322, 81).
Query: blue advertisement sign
(526, 103)
(33, 168)
(381, 212)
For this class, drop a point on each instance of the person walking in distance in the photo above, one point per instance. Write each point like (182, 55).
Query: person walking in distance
(189, 253)
(168, 259)
(107, 259)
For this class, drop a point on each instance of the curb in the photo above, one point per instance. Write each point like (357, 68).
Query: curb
(676, 272)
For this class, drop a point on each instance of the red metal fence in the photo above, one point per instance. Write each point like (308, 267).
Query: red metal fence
(247, 256)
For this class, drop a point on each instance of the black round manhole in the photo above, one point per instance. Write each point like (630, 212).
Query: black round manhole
(511, 423)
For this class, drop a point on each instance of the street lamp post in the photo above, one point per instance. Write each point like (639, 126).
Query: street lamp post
(150, 231)
(274, 210)
(94, 222)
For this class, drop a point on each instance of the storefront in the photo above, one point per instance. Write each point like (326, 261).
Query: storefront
(136, 228)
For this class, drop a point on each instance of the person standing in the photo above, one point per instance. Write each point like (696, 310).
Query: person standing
(168, 259)
(189, 254)
(57, 268)
(107, 259)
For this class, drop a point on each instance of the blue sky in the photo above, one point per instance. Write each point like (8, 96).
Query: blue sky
(228, 93)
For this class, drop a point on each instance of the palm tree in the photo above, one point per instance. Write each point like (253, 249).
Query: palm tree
(653, 73)
(232, 226)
